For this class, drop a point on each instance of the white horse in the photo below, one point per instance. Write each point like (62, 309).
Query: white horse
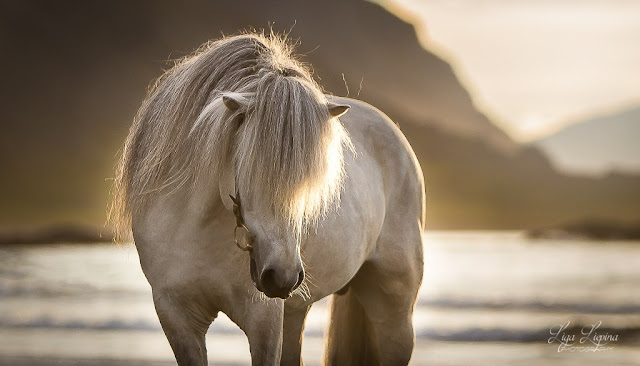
(241, 127)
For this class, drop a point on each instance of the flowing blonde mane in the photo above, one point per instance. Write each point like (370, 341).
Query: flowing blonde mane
(288, 152)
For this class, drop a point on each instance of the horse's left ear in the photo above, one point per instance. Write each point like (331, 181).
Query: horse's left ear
(337, 110)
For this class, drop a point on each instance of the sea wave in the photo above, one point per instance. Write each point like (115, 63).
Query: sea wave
(51, 290)
(81, 291)
(626, 335)
(533, 305)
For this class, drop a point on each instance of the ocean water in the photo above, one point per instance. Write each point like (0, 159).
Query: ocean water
(488, 298)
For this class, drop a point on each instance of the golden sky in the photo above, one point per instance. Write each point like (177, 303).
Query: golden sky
(535, 65)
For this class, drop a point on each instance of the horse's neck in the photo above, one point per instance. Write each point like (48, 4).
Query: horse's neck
(183, 227)
(189, 210)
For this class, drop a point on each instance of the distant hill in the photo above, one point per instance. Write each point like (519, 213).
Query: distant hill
(75, 73)
(598, 145)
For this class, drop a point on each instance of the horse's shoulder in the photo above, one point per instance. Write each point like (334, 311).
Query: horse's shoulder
(371, 124)
(374, 133)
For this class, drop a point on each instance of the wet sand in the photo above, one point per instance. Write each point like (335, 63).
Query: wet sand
(143, 348)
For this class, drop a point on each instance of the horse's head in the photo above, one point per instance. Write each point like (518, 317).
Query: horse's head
(286, 175)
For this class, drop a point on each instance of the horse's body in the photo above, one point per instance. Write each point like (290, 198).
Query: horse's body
(369, 249)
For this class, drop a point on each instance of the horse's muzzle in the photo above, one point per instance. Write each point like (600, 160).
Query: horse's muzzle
(274, 281)
(275, 284)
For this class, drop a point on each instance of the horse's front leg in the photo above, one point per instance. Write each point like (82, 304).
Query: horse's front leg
(293, 327)
(185, 324)
(261, 321)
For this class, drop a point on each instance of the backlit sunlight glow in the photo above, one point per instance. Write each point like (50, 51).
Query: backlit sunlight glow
(536, 66)
(324, 194)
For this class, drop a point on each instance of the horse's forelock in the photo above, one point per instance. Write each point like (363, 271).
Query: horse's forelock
(183, 132)
(284, 158)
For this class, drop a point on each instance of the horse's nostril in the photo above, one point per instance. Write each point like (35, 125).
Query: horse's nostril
(268, 276)
(276, 284)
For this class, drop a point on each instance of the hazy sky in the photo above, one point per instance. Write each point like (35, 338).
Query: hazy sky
(535, 65)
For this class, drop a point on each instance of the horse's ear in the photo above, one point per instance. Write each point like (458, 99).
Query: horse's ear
(235, 101)
(232, 103)
(337, 110)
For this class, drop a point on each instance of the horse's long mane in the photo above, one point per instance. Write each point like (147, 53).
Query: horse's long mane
(288, 153)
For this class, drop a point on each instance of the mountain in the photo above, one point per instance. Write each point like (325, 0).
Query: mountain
(77, 71)
(597, 145)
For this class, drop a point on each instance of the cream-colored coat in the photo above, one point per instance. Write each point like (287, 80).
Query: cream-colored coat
(370, 247)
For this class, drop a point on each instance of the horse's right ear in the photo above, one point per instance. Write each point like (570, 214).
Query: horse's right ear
(235, 101)
(231, 103)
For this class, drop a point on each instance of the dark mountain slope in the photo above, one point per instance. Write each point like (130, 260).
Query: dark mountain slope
(74, 73)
